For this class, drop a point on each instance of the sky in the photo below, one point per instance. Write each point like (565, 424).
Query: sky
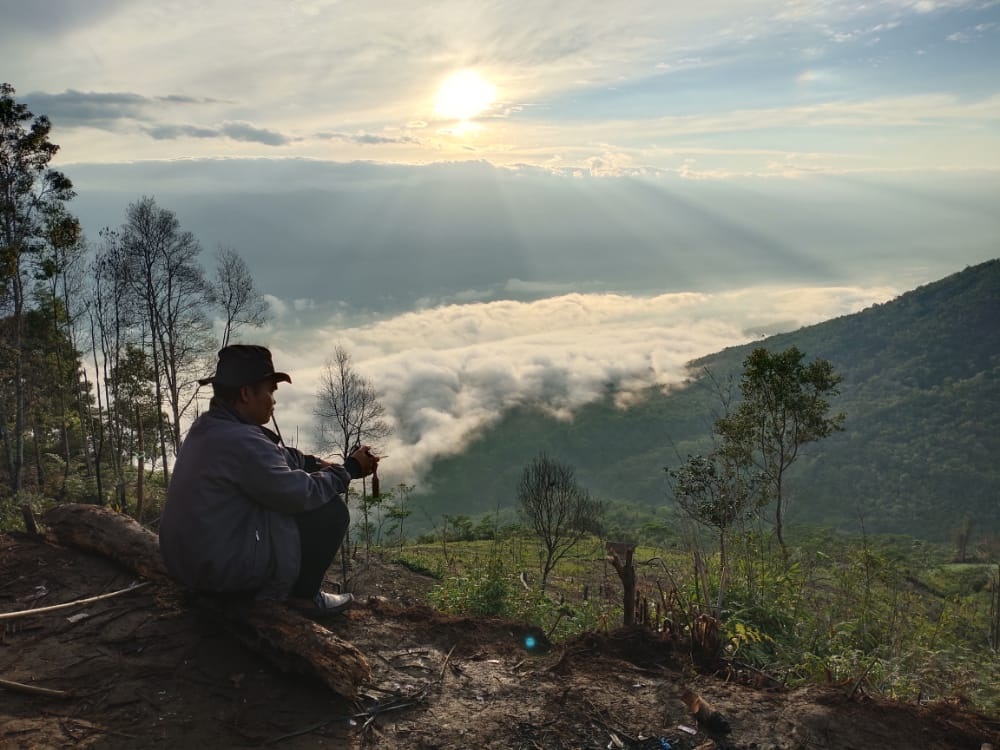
(496, 203)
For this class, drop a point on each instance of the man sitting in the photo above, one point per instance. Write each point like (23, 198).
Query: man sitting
(244, 512)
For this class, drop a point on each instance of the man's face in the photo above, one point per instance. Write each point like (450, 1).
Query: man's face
(258, 401)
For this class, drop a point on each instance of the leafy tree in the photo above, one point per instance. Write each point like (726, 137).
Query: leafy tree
(715, 491)
(559, 510)
(962, 536)
(784, 406)
(457, 527)
(30, 191)
(131, 409)
(59, 291)
(50, 367)
(398, 512)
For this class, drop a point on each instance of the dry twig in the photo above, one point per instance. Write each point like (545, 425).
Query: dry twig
(20, 687)
(68, 605)
(446, 660)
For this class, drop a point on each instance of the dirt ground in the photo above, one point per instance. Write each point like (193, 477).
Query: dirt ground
(145, 669)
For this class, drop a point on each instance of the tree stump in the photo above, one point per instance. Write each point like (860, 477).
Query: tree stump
(620, 557)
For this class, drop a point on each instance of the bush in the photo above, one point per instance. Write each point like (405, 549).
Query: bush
(484, 592)
(11, 517)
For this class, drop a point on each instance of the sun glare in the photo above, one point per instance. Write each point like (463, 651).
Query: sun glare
(464, 95)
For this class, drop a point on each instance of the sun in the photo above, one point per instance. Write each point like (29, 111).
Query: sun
(464, 95)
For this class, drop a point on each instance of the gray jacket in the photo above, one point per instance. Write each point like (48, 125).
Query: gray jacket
(227, 523)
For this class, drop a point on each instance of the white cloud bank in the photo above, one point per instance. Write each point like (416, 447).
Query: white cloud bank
(447, 372)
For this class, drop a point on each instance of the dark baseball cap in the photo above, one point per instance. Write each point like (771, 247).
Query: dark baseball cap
(244, 364)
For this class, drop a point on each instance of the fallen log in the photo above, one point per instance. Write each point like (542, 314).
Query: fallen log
(114, 535)
(289, 640)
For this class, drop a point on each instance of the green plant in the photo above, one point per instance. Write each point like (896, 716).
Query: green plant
(484, 591)
(420, 563)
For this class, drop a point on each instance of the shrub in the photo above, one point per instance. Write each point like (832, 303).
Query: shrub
(483, 592)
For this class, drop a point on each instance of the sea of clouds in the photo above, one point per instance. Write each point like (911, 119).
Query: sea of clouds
(448, 372)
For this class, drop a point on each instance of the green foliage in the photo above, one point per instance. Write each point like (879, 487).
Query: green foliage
(959, 579)
(784, 406)
(418, 563)
(488, 586)
(744, 640)
(711, 490)
(887, 612)
(561, 621)
(11, 516)
(855, 610)
(483, 591)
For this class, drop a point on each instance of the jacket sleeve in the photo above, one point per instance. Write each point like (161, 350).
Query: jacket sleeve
(299, 460)
(273, 476)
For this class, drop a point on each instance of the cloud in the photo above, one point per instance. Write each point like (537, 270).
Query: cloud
(538, 288)
(276, 306)
(446, 373)
(393, 237)
(889, 112)
(244, 131)
(606, 94)
(970, 34)
(55, 16)
(102, 108)
(237, 131)
(112, 110)
(93, 109)
(170, 132)
(369, 139)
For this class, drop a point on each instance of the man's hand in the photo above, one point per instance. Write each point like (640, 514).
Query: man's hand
(367, 460)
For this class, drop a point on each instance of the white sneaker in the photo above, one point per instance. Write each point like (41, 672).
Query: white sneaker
(331, 604)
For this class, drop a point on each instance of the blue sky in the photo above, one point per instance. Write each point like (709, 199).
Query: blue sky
(483, 199)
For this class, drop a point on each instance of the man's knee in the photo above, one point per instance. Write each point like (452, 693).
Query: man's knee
(328, 518)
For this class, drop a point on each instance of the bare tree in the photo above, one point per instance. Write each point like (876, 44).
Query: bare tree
(348, 413)
(348, 409)
(167, 278)
(558, 509)
(115, 331)
(234, 292)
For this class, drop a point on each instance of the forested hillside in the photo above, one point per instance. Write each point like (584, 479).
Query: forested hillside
(920, 453)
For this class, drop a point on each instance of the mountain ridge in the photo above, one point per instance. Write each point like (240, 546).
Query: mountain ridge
(920, 452)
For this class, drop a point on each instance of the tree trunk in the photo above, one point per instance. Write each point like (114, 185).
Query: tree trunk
(620, 556)
(36, 433)
(290, 641)
(97, 434)
(779, 519)
(141, 474)
(17, 465)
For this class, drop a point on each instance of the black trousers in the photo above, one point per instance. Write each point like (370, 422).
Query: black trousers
(320, 533)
